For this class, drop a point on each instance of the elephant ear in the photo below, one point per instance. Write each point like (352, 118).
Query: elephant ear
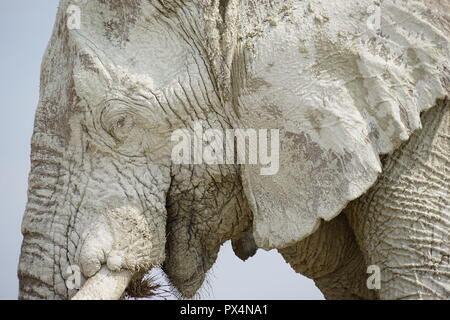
(341, 90)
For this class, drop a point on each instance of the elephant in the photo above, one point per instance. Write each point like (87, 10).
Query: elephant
(356, 90)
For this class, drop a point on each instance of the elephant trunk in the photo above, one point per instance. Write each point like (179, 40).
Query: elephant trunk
(105, 285)
(81, 217)
(43, 231)
(36, 271)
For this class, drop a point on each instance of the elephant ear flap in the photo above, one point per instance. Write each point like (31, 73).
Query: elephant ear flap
(340, 98)
(313, 182)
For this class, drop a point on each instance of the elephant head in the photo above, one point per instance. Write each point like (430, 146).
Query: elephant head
(104, 192)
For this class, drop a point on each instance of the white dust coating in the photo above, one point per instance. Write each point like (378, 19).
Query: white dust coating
(340, 89)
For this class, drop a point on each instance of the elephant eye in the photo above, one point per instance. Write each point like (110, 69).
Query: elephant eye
(120, 126)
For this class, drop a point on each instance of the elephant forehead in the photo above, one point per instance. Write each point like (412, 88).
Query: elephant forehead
(139, 38)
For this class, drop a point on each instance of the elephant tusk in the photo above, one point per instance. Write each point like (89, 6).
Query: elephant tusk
(104, 285)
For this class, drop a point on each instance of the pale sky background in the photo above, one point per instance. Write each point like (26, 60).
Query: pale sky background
(25, 28)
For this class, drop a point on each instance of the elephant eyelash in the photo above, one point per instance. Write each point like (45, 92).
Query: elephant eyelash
(120, 123)
(121, 127)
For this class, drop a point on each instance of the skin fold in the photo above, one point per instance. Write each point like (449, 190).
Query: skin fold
(364, 146)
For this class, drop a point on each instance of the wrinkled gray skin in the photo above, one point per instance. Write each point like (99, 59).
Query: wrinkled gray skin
(103, 191)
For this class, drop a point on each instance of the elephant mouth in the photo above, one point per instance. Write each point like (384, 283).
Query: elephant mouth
(115, 285)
